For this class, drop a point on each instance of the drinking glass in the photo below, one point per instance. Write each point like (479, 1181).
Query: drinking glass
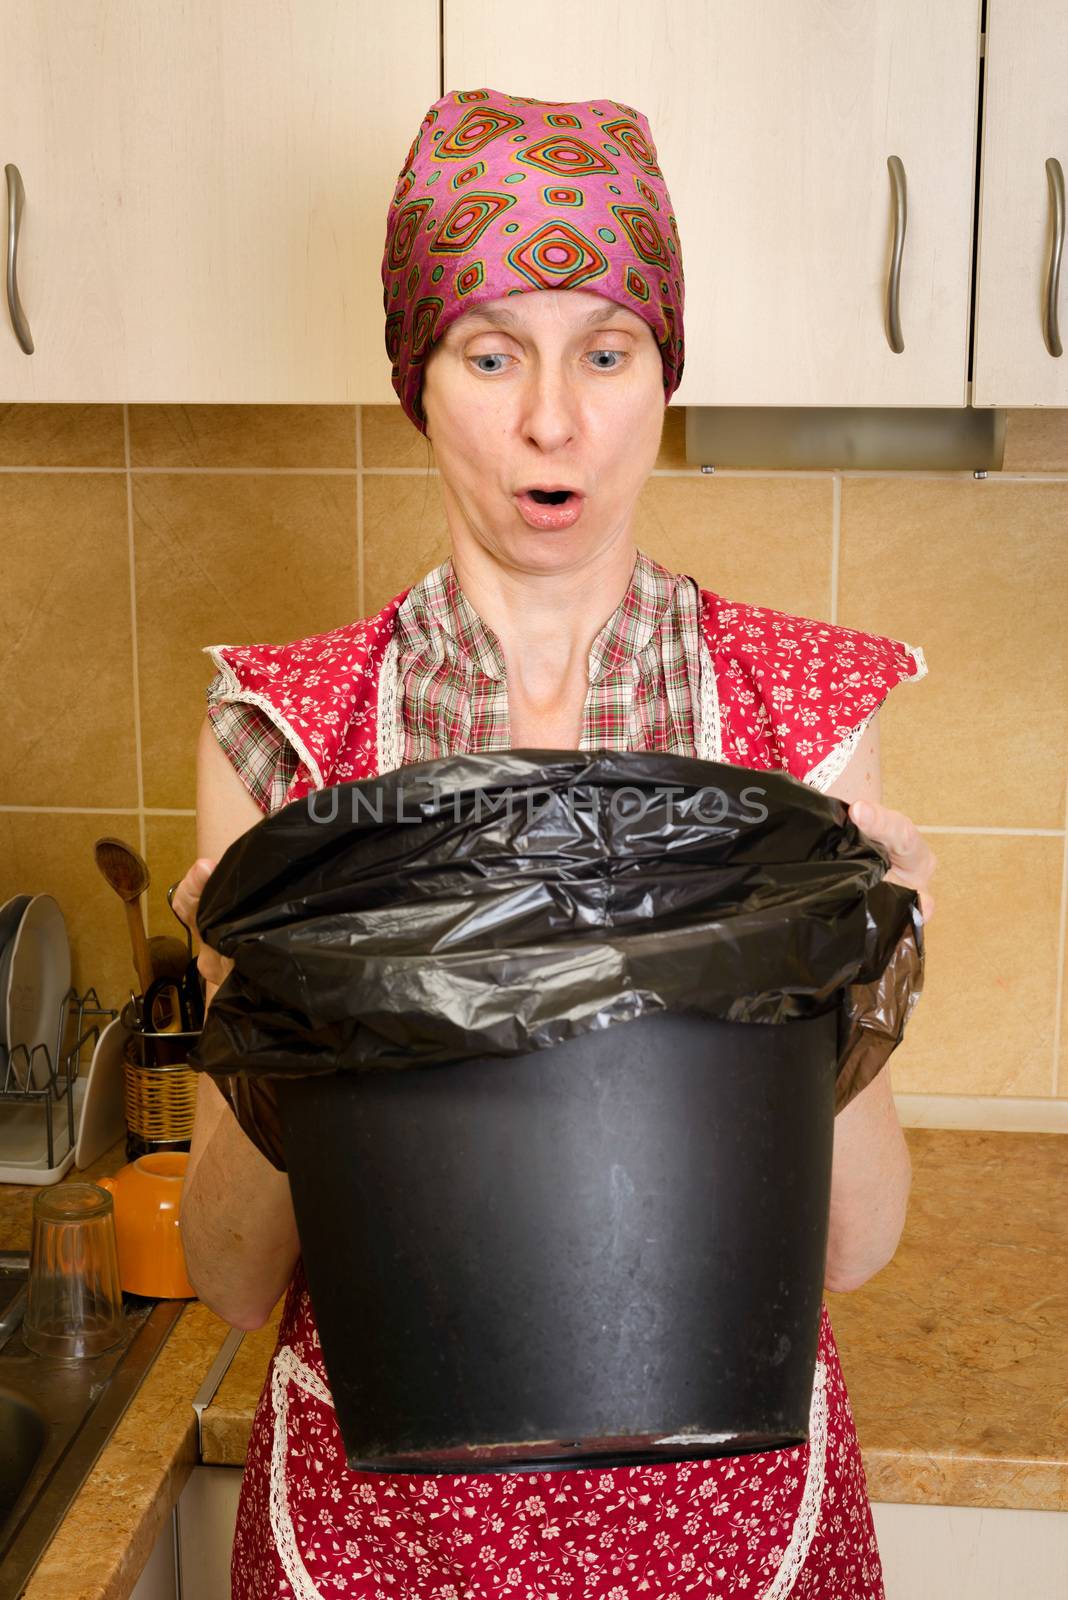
(74, 1299)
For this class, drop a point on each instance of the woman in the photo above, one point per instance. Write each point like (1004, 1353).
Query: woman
(545, 628)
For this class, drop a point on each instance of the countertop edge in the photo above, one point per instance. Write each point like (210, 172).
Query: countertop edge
(900, 1477)
(100, 1548)
(925, 1478)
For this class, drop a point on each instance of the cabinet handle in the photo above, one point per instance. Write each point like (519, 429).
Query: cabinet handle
(893, 283)
(1050, 329)
(16, 199)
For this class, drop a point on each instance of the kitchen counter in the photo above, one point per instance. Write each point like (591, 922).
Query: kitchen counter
(103, 1542)
(955, 1356)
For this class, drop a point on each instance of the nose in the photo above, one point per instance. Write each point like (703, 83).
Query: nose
(549, 407)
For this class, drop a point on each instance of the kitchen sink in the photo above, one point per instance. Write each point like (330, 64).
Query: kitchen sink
(24, 1431)
(56, 1415)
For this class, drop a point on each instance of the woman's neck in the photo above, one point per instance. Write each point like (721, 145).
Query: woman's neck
(545, 622)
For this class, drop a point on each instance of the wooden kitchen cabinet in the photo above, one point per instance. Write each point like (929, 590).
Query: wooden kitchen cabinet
(159, 1576)
(934, 1552)
(1025, 122)
(773, 125)
(60, 127)
(206, 188)
(190, 1559)
(205, 1518)
(927, 1552)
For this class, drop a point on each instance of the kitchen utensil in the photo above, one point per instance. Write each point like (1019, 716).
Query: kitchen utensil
(74, 1301)
(166, 1007)
(127, 873)
(193, 982)
(168, 956)
(185, 926)
(193, 990)
(148, 1194)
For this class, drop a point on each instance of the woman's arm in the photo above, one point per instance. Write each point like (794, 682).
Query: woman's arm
(238, 1229)
(872, 1169)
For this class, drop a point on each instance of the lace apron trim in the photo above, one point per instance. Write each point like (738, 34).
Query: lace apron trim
(289, 1369)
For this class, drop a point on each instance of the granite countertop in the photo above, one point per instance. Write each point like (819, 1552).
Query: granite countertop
(107, 1535)
(955, 1357)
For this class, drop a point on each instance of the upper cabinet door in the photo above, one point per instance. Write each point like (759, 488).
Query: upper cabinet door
(774, 124)
(207, 187)
(1021, 218)
(59, 130)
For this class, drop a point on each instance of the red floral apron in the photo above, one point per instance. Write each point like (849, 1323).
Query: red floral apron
(778, 692)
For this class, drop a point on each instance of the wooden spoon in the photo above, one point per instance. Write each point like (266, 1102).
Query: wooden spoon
(127, 873)
(168, 955)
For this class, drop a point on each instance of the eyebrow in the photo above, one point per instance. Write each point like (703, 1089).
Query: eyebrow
(508, 319)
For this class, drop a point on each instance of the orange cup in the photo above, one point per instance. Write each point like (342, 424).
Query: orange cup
(148, 1194)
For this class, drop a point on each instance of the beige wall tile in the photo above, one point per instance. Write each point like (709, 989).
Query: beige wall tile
(1062, 1083)
(672, 453)
(984, 1023)
(390, 439)
(46, 853)
(66, 663)
(224, 559)
(968, 571)
(976, 574)
(404, 535)
(1036, 440)
(243, 436)
(170, 850)
(61, 436)
(766, 541)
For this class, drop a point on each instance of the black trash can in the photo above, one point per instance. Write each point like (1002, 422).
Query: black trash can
(606, 1252)
(556, 1097)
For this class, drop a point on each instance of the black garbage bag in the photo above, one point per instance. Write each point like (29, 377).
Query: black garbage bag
(500, 903)
(551, 1045)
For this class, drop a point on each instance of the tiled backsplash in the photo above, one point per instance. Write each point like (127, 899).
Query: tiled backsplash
(133, 536)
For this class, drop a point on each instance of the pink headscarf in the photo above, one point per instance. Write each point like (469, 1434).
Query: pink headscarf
(502, 194)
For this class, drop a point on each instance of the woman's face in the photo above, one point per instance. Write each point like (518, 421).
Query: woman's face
(566, 390)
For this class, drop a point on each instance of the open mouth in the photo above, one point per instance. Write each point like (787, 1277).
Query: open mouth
(550, 497)
(550, 510)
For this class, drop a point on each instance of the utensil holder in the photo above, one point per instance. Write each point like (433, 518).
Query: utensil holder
(160, 1089)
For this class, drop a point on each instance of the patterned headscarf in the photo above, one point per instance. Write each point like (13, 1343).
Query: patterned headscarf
(502, 194)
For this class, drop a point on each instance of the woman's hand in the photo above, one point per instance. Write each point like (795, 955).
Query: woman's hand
(911, 857)
(212, 966)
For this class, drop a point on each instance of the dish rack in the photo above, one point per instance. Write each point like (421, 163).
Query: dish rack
(22, 1129)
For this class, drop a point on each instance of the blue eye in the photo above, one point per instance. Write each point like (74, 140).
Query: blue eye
(616, 360)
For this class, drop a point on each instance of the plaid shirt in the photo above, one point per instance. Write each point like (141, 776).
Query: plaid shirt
(643, 671)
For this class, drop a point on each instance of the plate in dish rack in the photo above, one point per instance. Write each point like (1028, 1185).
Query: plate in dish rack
(11, 913)
(103, 1118)
(38, 980)
(35, 972)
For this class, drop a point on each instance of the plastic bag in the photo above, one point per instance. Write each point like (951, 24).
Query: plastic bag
(500, 903)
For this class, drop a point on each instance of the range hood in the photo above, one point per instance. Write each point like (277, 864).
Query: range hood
(873, 438)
